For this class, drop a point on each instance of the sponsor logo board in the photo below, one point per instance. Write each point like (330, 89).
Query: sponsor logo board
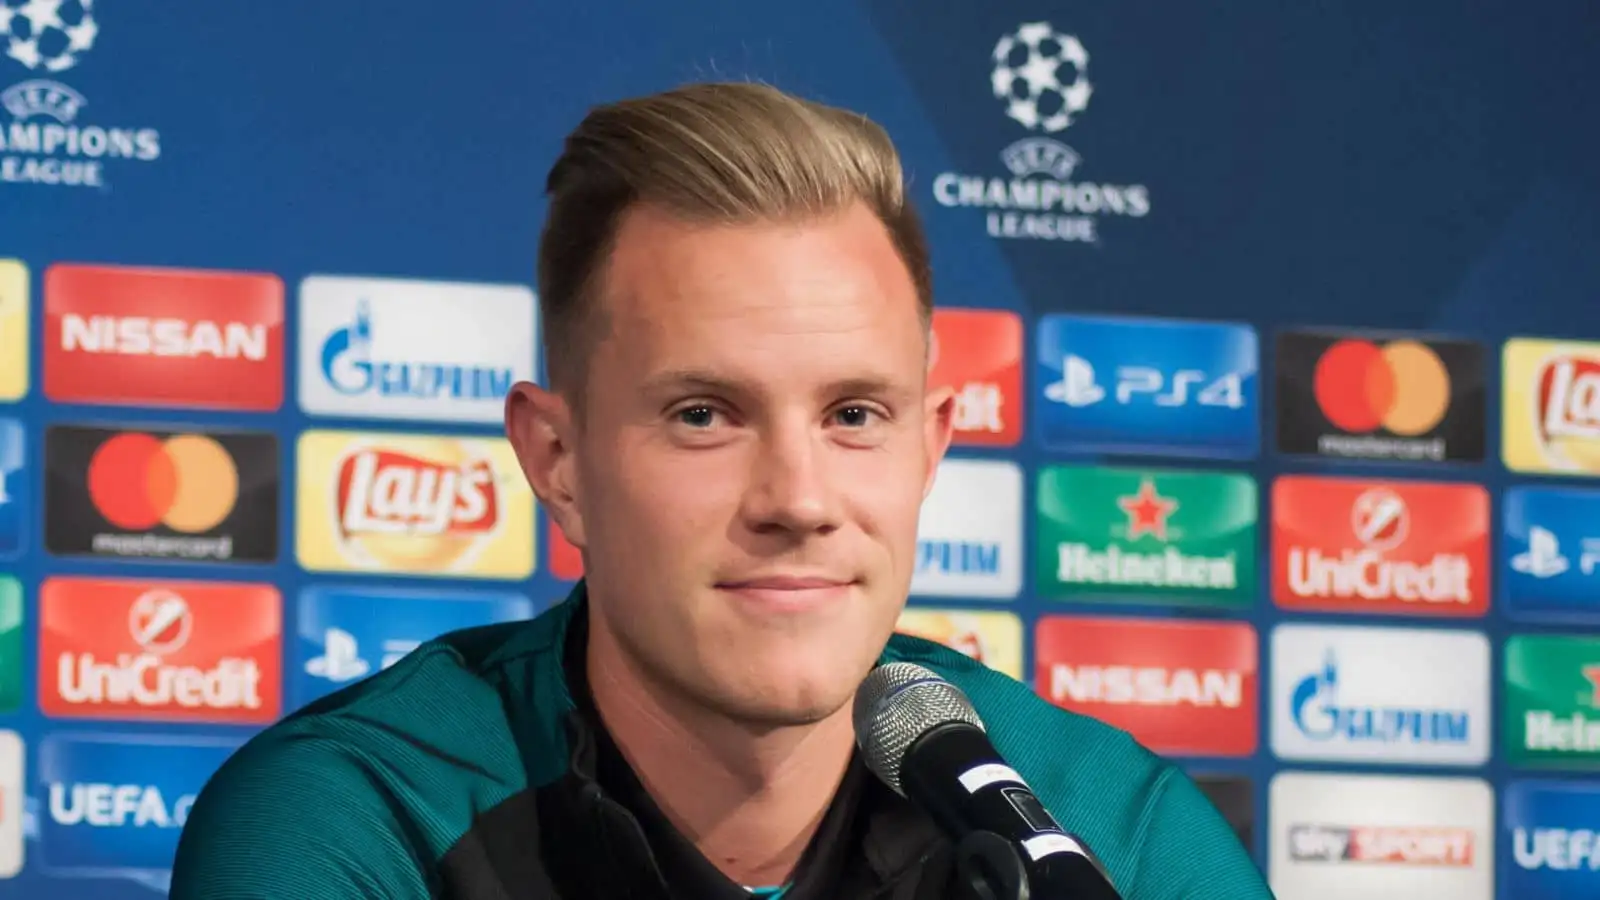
(991, 637)
(969, 536)
(1340, 836)
(1402, 398)
(1147, 535)
(11, 644)
(1550, 548)
(1380, 695)
(190, 496)
(1347, 545)
(163, 337)
(413, 350)
(1554, 828)
(174, 651)
(348, 633)
(16, 487)
(14, 305)
(1164, 387)
(1180, 688)
(1552, 701)
(411, 504)
(114, 804)
(1551, 411)
(978, 353)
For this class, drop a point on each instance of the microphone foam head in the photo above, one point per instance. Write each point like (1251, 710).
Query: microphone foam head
(898, 703)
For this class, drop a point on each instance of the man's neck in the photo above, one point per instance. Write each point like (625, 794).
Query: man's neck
(749, 801)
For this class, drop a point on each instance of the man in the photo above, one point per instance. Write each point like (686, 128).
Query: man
(738, 433)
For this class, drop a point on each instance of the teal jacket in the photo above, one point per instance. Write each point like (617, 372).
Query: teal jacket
(466, 771)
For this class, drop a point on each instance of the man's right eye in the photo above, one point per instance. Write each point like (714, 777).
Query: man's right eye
(697, 416)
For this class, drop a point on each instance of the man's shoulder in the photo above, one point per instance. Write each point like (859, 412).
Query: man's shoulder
(1095, 779)
(433, 733)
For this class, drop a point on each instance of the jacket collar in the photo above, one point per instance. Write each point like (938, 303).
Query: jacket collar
(870, 837)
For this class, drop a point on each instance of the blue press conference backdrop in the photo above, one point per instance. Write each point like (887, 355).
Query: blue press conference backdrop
(1340, 570)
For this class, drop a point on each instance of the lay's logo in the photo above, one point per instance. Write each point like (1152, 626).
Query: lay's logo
(412, 505)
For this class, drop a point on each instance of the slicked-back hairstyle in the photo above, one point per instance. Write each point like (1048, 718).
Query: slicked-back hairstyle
(715, 153)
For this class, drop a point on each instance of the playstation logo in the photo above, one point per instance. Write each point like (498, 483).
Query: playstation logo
(1543, 557)
(1077, 387)
(341, 658)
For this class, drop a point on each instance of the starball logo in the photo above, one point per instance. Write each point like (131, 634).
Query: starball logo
(47, 140)
(1040, 77)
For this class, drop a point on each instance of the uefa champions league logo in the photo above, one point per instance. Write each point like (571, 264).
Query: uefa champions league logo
(1028, 67)
(48, 35)
(44, 143)
(1041, 75)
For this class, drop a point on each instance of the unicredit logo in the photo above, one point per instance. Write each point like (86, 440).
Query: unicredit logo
(1401, 387)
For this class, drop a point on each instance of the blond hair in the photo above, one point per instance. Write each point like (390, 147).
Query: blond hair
(718, 152)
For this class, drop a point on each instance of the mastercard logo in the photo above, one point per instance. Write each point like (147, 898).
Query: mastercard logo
(186, 482)
(1401, 387)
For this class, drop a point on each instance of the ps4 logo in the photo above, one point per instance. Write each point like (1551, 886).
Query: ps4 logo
(1544, 559)
(1079, 388)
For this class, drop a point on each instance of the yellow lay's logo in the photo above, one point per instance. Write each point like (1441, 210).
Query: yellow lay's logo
(992, 638)
(13, 329)
(412, 505)
(1552, 407)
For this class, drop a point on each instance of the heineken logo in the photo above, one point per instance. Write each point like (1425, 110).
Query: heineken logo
(1553, 700)
(1147, 535)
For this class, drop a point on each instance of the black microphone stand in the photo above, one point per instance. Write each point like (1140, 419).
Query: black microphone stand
(988, 866)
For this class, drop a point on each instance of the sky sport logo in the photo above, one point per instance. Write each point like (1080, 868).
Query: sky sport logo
(1040, 76)
(1342, 836)
(190, 496)
(175, 651)
(1383, 845)
(44, 142)
(1405, 399)
(163, 337)
(1351, 545)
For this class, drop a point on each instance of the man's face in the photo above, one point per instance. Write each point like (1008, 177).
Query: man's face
(756, 443)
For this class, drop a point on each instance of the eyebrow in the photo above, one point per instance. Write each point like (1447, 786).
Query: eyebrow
(699, 380)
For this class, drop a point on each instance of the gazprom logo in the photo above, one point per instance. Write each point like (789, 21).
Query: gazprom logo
(1318, 714)
(348, 367)
(42, 98)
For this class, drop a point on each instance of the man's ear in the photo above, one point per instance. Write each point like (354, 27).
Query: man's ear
(939, 420)
(539, 425)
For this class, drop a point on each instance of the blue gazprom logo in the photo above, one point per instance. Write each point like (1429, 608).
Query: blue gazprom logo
(958, 557)
(1317, 713)
(348, 367)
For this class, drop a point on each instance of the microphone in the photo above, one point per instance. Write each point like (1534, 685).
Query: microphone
(922, 737)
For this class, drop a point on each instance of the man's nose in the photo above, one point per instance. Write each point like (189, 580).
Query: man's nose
(791, 489)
